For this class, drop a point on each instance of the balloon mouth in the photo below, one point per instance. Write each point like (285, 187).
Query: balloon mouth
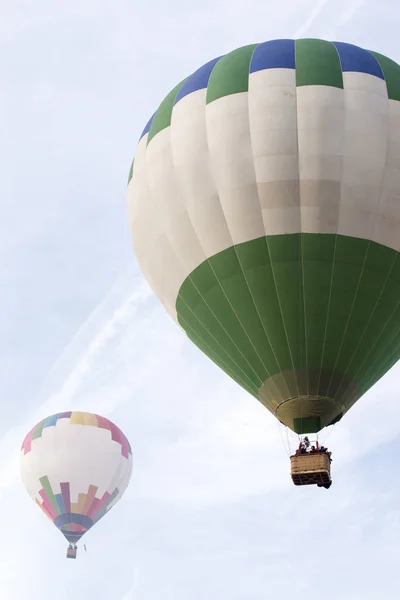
(308, 414)
(307, 400)
(73, 525)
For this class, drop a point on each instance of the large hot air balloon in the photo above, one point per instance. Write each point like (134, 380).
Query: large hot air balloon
(76, 466)
(264, 204)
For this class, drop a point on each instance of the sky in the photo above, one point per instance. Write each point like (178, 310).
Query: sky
(210, 511)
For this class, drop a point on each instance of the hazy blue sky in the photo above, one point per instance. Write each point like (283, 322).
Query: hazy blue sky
(211, 512)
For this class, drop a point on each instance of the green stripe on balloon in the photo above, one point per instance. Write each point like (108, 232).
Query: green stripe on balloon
(38, 430)
(317, 63)
(131, 171)
(49, 493)
(391, 71)
(321, 309)
(231, 74)
(162, 118)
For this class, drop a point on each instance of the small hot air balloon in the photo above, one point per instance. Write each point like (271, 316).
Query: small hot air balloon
(264, 205)
(75, 466)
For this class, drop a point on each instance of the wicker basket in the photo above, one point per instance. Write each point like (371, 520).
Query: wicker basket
(71, 552)
(311, 468)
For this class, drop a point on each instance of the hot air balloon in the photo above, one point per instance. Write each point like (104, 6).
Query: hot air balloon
(264, 205)
(75, 466)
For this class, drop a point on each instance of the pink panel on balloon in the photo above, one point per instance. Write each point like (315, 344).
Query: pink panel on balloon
(27, 443)
(46, 504)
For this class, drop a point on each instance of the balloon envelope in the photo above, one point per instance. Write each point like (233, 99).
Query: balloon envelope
(264, 204)
(76, 466)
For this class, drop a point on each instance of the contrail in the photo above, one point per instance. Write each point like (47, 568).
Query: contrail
(344, 17)
(350, 11)
(128, 295)
(130, 593)
(314, 14)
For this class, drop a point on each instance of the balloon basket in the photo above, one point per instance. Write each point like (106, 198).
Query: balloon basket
(72, 552)
(312, 468)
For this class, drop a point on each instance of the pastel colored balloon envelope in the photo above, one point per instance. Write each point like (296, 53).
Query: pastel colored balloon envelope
(76, 466)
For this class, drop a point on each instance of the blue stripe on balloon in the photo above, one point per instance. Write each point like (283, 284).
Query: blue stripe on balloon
(51, 421)
(357, 60)
(76, 518)
(147, 128)
(61, 521)
(197, 81)
(276, 54)
(60, 502)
